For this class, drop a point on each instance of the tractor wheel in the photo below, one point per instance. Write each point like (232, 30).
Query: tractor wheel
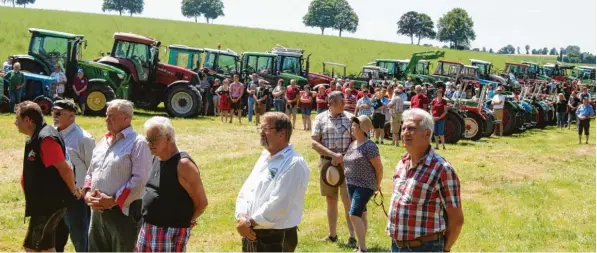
(98, 94)
(509, 120)
(45, 103)
(183, 101)
(4, 104)
(454, 127)
(541, 122)
(474, 126)
(489, 125)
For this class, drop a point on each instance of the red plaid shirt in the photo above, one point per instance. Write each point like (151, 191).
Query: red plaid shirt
(420, 195)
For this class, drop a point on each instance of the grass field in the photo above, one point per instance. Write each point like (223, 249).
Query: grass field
(99, 29)
(531, 192)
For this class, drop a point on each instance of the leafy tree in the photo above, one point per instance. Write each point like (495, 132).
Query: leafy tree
(534, 51)
(476, 49)
(484, 50)
(518, 50)
(527, 48)
(134, 6)
(346, 19)
(491, 50)
(562, 50)
(23, 2)
(417, 24)
(456, 27)
(191, 9)
(545, 51)
(114, 5)
(509, 49)
(321, 14)
(553, 51)
(571, 48)
(212, 9)
(12, 2)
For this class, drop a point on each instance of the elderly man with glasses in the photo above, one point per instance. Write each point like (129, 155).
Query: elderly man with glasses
(115, 182)
(174, 195)
(79, 147)
(269, 206)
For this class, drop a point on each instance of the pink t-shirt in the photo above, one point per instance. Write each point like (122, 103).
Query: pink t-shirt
(236, 89)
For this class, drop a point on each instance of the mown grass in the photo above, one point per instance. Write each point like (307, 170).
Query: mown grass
(531, 192)
(99, 30)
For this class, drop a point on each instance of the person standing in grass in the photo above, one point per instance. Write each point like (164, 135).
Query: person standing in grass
(237, 90)
(278, 95)
(269, 206)
(292, 98)
(174, 194)
(80, 88)
(498, 102)
(364, 171)
(16, 81)
(439, 110)
(251, 91)
(321, 100)
(115, 182)
(584, 114)
(379, 119)
(573, 103)
(48, 180)
(205, 92)
(261, 97)
(330, 139)
(225, 103)
(306, 107)
(425, 208)
(60, 78)
(79, 146)
(364, 106)
(419, 100)
(396, 107)
(216, 98)
(561, 110)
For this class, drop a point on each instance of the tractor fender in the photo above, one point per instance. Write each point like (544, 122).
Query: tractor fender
(182, 83)
(123, 64)
(32, 64)
(97, 80)
(473, 109)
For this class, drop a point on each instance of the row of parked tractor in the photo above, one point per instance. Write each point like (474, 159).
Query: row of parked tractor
(132, 70)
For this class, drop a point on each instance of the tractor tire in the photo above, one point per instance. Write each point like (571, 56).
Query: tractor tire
(98, 95)
(387, 131)
(474, 126)
(45, 103)
(489, 125)
(4, 104)
(454, 128)
(541, 122)
(509, 120)
(183, 101)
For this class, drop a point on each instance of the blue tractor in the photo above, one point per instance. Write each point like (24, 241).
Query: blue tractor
(37, 88)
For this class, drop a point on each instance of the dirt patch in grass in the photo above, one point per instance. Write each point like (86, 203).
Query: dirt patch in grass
(10, 165)
(586, 150)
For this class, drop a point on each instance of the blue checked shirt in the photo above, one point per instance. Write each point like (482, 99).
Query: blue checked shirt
(365, 111)
(585, 111)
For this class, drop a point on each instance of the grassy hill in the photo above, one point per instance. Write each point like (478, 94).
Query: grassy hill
(98, 29)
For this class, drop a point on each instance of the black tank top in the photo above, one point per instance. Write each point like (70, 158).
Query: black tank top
(166, 203)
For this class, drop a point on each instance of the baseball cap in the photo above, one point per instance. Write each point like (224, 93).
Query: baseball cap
(65, 105)
(80, 71)
(364, 123)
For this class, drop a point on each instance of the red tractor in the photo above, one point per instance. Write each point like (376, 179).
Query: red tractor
(154, 82)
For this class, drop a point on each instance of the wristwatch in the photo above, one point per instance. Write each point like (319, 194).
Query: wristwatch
(248, 222)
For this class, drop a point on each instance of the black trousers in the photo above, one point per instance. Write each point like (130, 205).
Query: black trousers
(272, 240)
(583, 124)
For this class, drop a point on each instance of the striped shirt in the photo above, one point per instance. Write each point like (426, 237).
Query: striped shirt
(420, 195)
(79, 146)
(334, 132)
(120, 169)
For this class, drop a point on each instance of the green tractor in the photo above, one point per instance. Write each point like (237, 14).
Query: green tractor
(537, 72)
(185, 56)
(220, 64)
(417, 67)
(47, 48)
(293, 61)
(266, 66)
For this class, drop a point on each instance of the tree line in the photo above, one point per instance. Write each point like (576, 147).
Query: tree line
(570, 54)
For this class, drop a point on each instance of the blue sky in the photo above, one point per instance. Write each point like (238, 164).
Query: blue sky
(547, 23)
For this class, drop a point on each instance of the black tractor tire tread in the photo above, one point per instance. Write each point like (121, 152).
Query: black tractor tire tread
(489, 125)
(459, 127)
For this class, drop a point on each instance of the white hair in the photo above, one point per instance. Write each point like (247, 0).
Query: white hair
(163, 124)
(123, 106)
(427, 121)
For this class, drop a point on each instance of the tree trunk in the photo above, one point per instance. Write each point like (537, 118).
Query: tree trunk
(120, 11)
(131, 13)
(411, 39)
(419, 41)
(195, 19)
(340, 33)
(322, 28)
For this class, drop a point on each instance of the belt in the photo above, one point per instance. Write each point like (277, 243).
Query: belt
(419, 241)
(325, 157)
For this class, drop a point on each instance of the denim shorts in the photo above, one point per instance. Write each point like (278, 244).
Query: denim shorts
(306, 111)
(359, 196)
(438, 129)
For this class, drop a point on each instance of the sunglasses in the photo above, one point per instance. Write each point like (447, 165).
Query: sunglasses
(153, 139)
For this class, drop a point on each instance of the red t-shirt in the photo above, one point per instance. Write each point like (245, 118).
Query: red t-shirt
(419, 101)
(50, 153)
(437, 107)
(305, 95)
(322, 106)
(292, 93)
(80, 84)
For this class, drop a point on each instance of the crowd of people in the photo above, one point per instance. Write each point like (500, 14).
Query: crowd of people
(140, 192)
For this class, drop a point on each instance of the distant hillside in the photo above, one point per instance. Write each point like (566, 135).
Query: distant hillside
(98, 30)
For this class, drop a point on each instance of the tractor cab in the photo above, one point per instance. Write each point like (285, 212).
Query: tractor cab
(484, 68)
(291, 61)
(185, 57)
(395, 68)
(536, 71)
(446, 70)
(331, 71)
(139, 52)
(220, 63)
(557, 71)
(262, 64)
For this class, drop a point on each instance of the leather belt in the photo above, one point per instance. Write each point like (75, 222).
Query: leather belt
(419, 241)
(325, 157)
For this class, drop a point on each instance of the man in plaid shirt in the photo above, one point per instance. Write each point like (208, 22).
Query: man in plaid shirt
(331, 138)
(425, 208)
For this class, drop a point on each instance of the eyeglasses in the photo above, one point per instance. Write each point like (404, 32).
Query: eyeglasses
(263, 129)
(153, 139)
(57, 113)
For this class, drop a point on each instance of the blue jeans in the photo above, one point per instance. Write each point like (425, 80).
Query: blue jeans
(15, 98)
(439, 127)
(321, 110)
(279, 105)
(359, 196)
(430, 246)
(250, 108)
(561, 116)
(572, 116)
(77, 220)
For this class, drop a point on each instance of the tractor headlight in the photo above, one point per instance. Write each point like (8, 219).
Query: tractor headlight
(121, 76)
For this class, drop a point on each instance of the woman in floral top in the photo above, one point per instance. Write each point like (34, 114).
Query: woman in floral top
(225, 103)
(363, 171)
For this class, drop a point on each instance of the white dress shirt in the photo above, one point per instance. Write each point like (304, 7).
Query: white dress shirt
(274, 193)
(79, 147)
